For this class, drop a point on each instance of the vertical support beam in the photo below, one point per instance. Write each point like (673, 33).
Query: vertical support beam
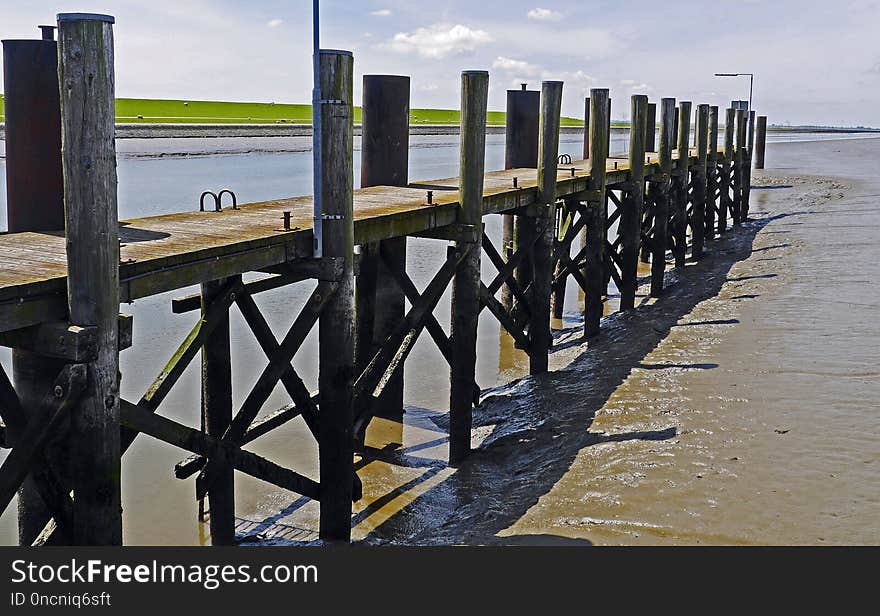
(739, 164)
(608, 142)
(631, 217)
(520, 151)
(335, 328)
(587, 128)
(727, 171)
(761, 143)
(85, 72)
(217, 414)
(750, 150)
(466, 283)
(34, 202)
(712, 174)
(661, 186)
(679, 213)
(540, 337)
(379, 303)
(698, 224)
(651, 128)
(595, 244)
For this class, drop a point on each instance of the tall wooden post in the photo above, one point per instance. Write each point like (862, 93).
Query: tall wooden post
(750, 149)
(698, 226)
(661, 187)
(217, 413)
(631, 217)
(587, 128)
(466, 283)
(379, 302)
(34, 202)
(712, 174)
(679, 213)
(85, 73)
(520, 151)
(761, 143)
(651, 128)
(336, 329)
(739, 173)
(540, 337)
(727, 171)
(595, 244)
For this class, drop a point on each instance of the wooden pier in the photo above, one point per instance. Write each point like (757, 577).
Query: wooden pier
(60, 288)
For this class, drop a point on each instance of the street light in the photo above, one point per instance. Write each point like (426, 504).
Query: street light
(751, 77)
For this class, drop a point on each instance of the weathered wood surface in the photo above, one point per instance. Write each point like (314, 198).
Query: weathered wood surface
(163, 253)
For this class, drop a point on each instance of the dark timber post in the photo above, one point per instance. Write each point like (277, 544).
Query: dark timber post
(520, 151)
(336, 325)
(661, 187)
(85, 72)
(540, 338)
(761, 143)
(727, 172)
(587, 128)
(217, 413)
(595, 243)
(380, 303)
(651, 128)
(631, 216)
(34, 202)
(750, 150)
(466, 283)
(679, 214)
(698, 227)
(712, 174)
(739, 173)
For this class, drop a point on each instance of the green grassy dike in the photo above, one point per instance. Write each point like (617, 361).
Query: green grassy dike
(158, 111)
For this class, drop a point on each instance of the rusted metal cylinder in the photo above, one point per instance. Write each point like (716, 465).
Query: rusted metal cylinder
(34, 202)
(34, 188)
(380, 304)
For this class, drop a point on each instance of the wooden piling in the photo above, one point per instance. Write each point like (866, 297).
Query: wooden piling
(698, 176)
(679, 205)
(540, 337)
(712, 174)
(629, 228)
(379, 302)
(726, 205)
(595, 241)
(739, 168)
(651, 128)
(466, 282)
(85, 73)
(216, 387)
(520, 151)
(34, 202)
(336, 329)
(587, 128)
(661, 187)
(761, 142)
(747, 168)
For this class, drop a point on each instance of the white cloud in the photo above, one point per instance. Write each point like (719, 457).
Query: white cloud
(275, 23)
(439, 40)
(540, 14)
(518, 68)
(381, 13)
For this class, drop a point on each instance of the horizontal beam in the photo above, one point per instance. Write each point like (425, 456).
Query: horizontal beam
(61, 340)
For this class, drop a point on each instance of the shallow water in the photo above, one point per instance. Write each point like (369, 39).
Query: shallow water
(661, 431)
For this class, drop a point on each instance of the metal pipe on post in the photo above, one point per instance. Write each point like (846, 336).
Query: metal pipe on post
(540, 337)
(85, 72)
(380, 304)
(336, 323)
(761, 144)
(595, 243)
(34, 202)
(466, 282)
(679, 213)
(712, 174)
(520, 151)
(661, 187)
(698, 174)
(631, 217)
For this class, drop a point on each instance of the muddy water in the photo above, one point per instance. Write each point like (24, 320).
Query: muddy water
(740, 408)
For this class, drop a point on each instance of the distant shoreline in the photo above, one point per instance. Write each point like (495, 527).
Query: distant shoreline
(184, 131)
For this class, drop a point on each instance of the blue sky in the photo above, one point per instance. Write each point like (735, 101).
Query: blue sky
(814, 62)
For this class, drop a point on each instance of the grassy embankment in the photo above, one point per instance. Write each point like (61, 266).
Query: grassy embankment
(155, 111)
